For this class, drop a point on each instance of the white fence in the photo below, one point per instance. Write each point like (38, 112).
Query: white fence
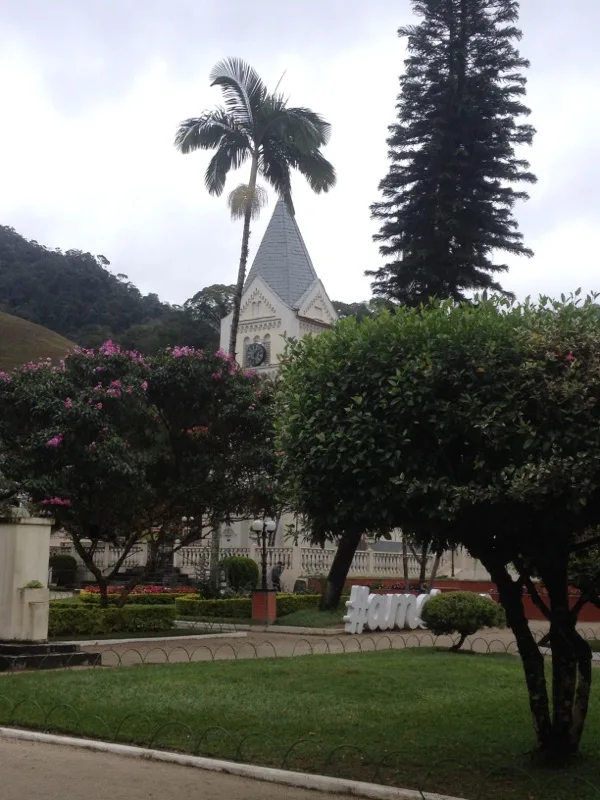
(298, 561)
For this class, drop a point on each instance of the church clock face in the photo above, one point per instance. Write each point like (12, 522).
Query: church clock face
(256, 354)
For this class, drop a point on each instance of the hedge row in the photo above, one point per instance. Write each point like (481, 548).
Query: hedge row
(77, 619)
(241, 607)
(136, 599)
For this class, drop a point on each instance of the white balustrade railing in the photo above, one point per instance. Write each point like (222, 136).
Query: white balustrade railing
(298, 561)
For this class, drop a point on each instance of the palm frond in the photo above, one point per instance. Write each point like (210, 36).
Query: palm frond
(274, 167)
(242, 88)
(225, 159)
(318, 171)
(208, 131)
(241, 197)
(306, 128)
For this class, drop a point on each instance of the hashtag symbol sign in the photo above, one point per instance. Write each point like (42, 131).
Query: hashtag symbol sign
(358, 607)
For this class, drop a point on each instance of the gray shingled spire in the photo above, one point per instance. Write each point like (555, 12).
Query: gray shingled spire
(282, 260)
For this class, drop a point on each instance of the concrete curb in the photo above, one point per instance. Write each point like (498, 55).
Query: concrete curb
(298, 780)
(100, 642)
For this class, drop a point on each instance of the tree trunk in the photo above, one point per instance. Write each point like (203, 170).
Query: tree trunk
(215, 548)
(237, 297)
(339, 571)
(533, 662)
(405, 567)
(434, 570)
(571, 672)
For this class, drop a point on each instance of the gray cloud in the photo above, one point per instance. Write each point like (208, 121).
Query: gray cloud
(92, 91)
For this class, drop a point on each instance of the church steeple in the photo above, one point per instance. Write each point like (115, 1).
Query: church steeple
(282, 260)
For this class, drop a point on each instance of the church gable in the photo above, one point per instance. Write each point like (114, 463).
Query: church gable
(258, 302)
(316, 305)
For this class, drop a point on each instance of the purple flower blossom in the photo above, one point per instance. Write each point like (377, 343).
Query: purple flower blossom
(55, 441)
(4, 376)
(99, 406)
(68, 403)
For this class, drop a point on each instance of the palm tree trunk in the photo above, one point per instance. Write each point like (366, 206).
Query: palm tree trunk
(239, 288)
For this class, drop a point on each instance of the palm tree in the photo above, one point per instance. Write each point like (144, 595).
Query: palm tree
(259, 126)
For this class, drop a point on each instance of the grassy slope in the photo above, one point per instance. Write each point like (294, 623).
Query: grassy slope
(22, 341)
(417, 707)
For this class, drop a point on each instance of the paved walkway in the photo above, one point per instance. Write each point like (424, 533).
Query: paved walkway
(51, 772)
(271, 644)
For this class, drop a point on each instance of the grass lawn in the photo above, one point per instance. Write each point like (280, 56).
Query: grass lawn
(412, 718)
(313, 618)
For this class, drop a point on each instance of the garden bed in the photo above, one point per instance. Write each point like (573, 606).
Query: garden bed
(413, 718)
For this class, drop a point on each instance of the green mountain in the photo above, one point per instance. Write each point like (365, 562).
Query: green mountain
(22, 341)
(74, 294)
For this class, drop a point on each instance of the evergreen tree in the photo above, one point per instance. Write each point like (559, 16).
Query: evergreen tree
(448, 197)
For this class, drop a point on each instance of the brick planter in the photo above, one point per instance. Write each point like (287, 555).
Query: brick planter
(264, 606)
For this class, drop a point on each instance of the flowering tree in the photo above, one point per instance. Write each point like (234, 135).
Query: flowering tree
(118, 448)
(474, 425)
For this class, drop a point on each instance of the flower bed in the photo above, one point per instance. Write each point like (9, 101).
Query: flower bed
(152, 590)
(165, 598)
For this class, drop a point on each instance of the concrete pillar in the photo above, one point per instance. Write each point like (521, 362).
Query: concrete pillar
(24, 554)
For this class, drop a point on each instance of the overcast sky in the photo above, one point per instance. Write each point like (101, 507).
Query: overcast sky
(91, 93)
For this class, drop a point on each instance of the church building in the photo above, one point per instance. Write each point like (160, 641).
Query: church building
(283, 296)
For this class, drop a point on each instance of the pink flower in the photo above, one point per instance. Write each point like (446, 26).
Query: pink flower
(216, 376)
(252, 407)
(156, 418)
(99, 406)
(55, 501)
(144, 386)
(92, 446)
(55, 441)
(68, 403)
(570, 357)
(116, 384)
(4, 376)
(180, 352)
(109, 349)
(250, 373)
(129, 389)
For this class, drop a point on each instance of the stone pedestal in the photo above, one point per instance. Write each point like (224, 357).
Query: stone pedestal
(24, 555)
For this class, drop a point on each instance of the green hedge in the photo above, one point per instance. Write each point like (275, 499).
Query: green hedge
(241, 572)
(135, 599)
(77, 619)
(241, 607)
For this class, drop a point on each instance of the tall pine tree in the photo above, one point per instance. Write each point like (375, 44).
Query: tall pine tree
(448, 197)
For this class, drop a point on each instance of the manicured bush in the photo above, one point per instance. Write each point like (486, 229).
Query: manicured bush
(241, 573)
(289, 603)
(241, 607)
(78, 619)
(464, 613)
(136, 599)
(64, 569)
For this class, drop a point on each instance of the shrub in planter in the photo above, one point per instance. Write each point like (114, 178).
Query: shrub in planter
(464, 613)
(240, 607)
(78, 619)
(64, 570)
(134, 598)
(289, 603)
(241, 573)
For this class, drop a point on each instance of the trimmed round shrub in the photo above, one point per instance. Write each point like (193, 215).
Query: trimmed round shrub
(64, 570)
(241, 573)
(463, 613)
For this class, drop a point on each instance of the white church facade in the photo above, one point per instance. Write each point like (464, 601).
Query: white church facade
(283, 297)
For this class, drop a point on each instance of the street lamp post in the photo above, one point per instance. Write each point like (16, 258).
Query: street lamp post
(263, 527)
(264, 601)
